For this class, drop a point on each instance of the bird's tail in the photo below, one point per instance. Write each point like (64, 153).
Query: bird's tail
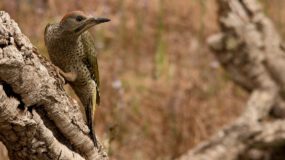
(90, 111)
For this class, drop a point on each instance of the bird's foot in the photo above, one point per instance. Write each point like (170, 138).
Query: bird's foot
(68, 76)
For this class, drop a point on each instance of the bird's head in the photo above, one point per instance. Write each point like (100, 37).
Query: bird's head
(76, 22)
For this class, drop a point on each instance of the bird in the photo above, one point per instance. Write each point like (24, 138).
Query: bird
(71, 49)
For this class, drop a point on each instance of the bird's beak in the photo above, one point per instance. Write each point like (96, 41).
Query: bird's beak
(90, 22)
(100, 20)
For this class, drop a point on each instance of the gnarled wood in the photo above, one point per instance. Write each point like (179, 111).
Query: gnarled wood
(250, 50)
(41, 121)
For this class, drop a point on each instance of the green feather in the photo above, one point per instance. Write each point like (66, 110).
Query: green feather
(89, 47)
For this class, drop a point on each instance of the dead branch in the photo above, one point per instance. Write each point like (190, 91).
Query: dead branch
(250, 50)
(37, 118)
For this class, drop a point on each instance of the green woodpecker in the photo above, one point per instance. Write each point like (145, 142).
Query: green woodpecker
(71, 48)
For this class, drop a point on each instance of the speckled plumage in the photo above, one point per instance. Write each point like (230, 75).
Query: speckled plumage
(74, 54)
(72, 49)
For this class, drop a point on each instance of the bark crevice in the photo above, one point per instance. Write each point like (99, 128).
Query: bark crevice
(38, 120)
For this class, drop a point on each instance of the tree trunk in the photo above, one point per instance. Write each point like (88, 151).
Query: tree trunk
(251, 51)
(38, 120)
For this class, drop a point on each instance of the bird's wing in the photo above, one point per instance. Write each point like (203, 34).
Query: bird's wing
(90, 51)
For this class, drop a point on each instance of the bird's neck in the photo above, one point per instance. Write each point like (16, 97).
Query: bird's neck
(64, 36)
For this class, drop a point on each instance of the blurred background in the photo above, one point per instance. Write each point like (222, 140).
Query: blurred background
(162, 90)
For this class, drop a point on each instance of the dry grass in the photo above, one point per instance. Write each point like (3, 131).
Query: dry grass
(163, 91)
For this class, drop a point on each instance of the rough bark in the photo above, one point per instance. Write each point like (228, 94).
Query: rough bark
(251, 51)
(38, 120)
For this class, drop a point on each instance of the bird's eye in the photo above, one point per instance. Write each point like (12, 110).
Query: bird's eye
(79, 18)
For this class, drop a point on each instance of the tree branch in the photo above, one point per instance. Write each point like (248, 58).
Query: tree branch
(250, 50)
(41, 121)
